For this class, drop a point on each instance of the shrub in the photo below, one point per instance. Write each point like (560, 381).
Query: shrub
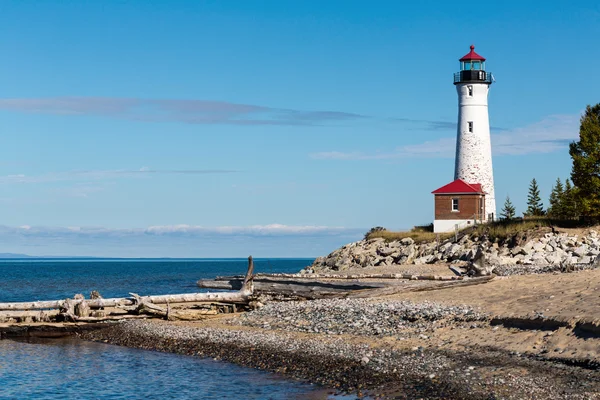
(374, 230)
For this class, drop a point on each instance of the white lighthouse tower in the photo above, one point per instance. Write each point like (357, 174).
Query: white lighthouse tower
(473, 162)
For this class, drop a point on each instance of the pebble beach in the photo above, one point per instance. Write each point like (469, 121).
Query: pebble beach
(379, 349)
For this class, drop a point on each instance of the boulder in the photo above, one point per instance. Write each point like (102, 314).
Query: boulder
(386, 261)
(580, 251)
(585, 260)
(423, 260)
(553, 259)
(388, 251)
(407, 241)
(408, 254)
(519, 250)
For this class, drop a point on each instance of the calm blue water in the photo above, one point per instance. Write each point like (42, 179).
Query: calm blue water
(73, 369)
(28, 280)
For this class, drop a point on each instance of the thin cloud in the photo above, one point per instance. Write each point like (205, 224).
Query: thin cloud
(553, 133)
(175, 110)
(548, 135)
(274, 240)
(102, 174)
(179, 230)
(432, 125)
(207, 112)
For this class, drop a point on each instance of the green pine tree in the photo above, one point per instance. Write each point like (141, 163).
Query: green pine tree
(508, 211)
(569, 201)
(556, 208)
(535, 207)
(585, 153)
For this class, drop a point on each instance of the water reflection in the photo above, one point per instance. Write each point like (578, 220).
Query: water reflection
(75, 369)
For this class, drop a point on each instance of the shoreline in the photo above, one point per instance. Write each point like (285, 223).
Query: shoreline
(521, 336)
(419, 359)
(336, 364)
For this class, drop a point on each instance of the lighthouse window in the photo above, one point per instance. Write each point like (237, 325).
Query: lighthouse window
(454, 204)
(470, 88)
(470, 124)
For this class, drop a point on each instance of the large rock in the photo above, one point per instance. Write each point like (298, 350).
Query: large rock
(407, 241)
(581, 251)
(519, 250)
(550, 250)
(553, 259)
(388, 251)
(423, 260)
(585, 260)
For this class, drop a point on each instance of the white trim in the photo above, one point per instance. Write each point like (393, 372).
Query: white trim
(457, 209)
(448, 225)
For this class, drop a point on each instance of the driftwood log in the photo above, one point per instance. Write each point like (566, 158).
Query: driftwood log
(317, 277)
(320, 286)
(79, 309)
(293, 289)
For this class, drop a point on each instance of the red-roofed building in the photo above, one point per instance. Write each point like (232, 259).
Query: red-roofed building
(458, 204)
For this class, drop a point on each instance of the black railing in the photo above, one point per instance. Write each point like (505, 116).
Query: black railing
(473, 76)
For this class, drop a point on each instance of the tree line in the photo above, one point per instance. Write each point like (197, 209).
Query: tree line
(579, 196)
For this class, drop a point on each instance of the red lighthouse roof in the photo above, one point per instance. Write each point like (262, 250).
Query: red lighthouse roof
(472, 56)
(458, 187)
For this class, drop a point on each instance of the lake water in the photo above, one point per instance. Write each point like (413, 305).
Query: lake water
(74, 369)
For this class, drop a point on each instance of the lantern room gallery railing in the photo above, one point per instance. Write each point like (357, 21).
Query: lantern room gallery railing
(473, 76)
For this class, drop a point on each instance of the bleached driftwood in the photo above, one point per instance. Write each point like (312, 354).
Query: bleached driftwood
(67, 306)
(317, 277)
(318, 286)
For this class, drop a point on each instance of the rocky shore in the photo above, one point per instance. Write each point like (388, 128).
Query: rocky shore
(521, 335)
(353, 349)
(523, 254)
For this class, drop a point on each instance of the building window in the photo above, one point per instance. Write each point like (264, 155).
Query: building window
(470, 89)
(470, 125)
(454, 205)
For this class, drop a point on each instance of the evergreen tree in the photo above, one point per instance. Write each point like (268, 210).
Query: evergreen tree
(556, 208)
(585, 153)
(569, 201)
(535, 207)
(508, 211)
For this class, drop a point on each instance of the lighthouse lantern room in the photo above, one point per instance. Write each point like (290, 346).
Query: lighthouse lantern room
(473, 162)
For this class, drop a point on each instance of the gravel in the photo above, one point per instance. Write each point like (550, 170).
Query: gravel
(349, 366)
(528, 269)
(357, 316)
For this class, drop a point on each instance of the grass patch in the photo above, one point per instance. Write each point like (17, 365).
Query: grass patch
(418, 236)
(498, 230)
(505, 229)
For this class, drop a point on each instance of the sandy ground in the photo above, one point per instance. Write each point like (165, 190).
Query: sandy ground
(573, 295)
(568, 298)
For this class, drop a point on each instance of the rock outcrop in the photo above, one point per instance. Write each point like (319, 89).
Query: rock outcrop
(541, 253)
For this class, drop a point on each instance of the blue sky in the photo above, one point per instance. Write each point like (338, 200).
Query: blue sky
(272, 128)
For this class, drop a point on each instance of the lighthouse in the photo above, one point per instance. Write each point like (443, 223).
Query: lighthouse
(469, 199)
(473, 163)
